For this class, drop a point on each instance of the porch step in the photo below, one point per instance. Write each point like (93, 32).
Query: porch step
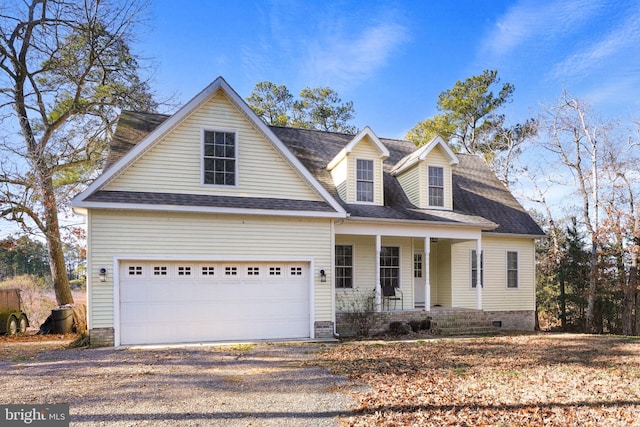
(450, 322)
(470, 330)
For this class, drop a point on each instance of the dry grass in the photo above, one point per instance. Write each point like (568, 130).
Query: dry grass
(553, 380)
(37, 298)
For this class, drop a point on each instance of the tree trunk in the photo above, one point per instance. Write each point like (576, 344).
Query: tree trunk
(631, 287)
(54, 246)
(591, 320)
(637, 329)
(563, 305)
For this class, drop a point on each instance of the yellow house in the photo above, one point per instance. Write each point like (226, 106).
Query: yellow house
(209, 225)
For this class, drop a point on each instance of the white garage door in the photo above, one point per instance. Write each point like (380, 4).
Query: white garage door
(174, 302)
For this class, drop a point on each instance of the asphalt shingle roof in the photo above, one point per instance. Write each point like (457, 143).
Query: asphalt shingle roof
(479, 198)
(201, 200)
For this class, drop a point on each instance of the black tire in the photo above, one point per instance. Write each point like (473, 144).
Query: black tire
(12, 325)
(23, 323)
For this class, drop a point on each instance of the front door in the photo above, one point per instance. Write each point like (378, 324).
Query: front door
(418, 279)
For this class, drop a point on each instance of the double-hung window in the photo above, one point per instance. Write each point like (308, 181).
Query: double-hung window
(364, 180)
(436, 186)
(512, 270)
(390, 266)
(344, 266)
(219, 163)
(474, 269)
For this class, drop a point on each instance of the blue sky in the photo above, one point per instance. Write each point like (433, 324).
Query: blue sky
(392, 59)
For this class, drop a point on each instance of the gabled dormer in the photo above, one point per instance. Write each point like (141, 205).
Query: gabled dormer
(357, 169)
(425, 175)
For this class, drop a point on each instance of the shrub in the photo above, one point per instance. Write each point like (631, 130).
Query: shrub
(400, 328)
(359, 311)
(415, 325)
(425, 324)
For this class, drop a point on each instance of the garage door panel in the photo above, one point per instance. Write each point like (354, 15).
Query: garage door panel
(212, 301)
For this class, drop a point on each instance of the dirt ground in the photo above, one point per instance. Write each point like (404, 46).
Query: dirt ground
(200, 385)
(533, 379)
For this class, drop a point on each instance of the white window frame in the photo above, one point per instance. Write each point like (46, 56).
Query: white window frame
(343, 288)
(429, 186)
(372, 181)
(202, 157)
(399, 267)
(472, 259)
(418, 266)
(517, 270)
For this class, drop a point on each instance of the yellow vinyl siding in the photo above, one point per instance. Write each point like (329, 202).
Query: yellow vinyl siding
(340, 175)
(365, 150)
(174, 164)
(175, 235)
(495, 294)
(364, 267)
(410, 182)
(364, 278)
(441, 273)
(437, 158)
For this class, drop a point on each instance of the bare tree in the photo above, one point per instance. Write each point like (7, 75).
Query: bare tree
(65, 71)
(574, 138)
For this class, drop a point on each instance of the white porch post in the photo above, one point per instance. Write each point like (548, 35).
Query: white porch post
(378, 288)
(426, 261)
(479, 274)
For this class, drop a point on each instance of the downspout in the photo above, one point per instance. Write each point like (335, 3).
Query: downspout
(377, 274)
(479, 273)
(426, 260)
(332, 282)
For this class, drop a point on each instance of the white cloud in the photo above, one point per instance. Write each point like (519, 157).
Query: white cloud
(331, 47)
(619, 42)
(533, 21)
(349, 59)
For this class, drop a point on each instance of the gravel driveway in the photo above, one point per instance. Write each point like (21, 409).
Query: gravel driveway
(242, 385)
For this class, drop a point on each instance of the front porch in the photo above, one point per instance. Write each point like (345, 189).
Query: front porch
(398, 273)
(443, 321)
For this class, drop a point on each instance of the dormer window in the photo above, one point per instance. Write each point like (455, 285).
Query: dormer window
(219, 160)
(436, 186)
(364, 180)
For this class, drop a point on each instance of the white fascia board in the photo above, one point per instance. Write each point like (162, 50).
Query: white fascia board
(186, 110)
(367, 220)
(422, 153)
(338, 158)
(409, 229)
(288, 155)
(514, 235)
(453, 159)
(382, 149)
(208, 209)
(148, 141)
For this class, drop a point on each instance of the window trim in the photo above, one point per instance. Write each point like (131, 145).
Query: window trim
(398, 267)
(472, 257)
(517, 270)
(429, 186)
(418, 268)
(372, 181)
(336, 266)
(203, 131)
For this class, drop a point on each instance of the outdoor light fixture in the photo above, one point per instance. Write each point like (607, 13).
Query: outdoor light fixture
(102, 274)
(323, 275)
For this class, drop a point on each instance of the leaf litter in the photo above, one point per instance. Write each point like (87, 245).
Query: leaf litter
(521, 380)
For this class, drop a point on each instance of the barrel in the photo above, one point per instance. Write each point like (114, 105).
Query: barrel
(62, 319)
